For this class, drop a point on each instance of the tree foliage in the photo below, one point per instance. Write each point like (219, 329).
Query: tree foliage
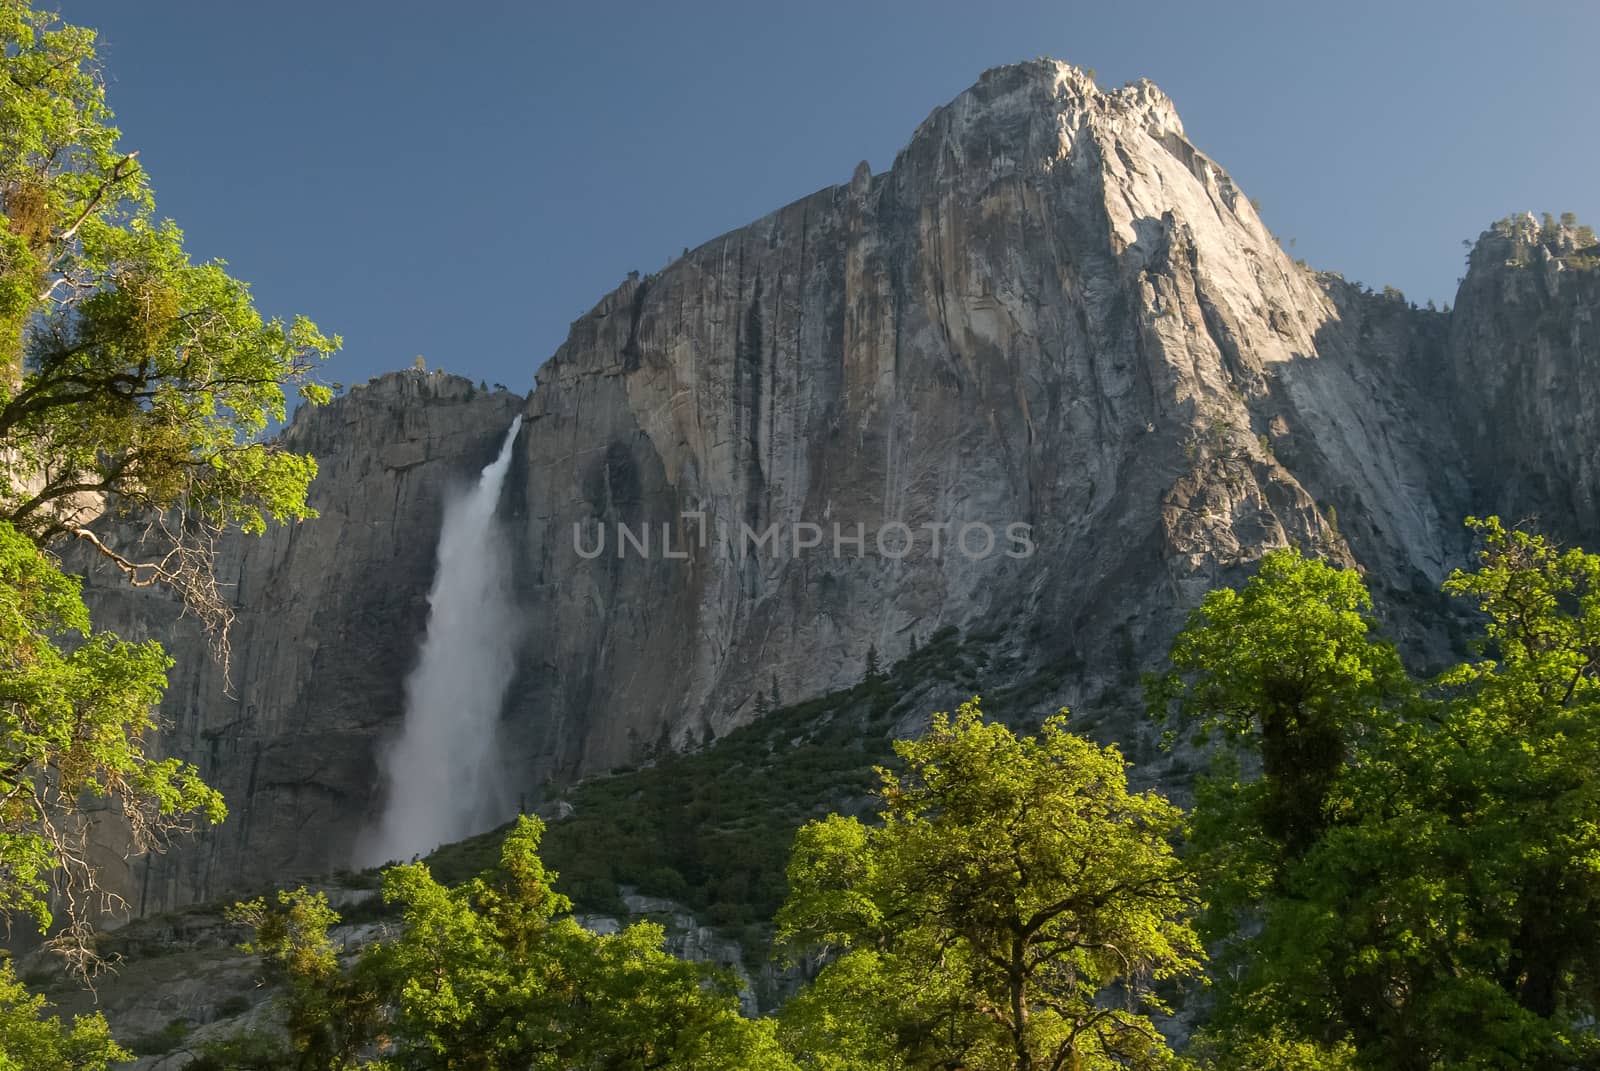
(1287, 669)
(1442, 912)
(74, 705)
(129, 376)
(135, 385)
(31, 1039)
(330, 1014)
(1015, 910)
(496, 974)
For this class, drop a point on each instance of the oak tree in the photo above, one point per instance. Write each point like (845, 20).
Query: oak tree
(136, 391)
(1016, 908)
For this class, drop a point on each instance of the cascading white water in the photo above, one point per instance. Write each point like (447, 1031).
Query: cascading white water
(440, 779)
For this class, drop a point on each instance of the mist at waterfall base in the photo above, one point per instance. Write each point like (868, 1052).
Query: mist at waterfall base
(441, 781)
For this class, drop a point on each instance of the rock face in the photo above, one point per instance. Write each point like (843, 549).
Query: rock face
(1052, 310)
(1524, 340)
(328, 618)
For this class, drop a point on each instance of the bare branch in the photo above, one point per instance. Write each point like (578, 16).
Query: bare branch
(117, 175)
(188, 569)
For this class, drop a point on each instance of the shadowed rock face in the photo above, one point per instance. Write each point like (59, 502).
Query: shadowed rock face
(1052, 309)
(1525, 374)
(329, 613)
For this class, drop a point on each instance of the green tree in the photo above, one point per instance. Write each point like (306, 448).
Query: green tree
(1272, 1051)
(1444, 912)
(1288, 674)
(1287, 670)
(134, 375)
(31, 1039)
(246, 1052)
(1015, 909)
(497, 974)
(75, 706)
(1521, 736)
(134, 384)
(330, 1014)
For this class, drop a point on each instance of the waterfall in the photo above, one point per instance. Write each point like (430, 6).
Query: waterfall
(440, 777)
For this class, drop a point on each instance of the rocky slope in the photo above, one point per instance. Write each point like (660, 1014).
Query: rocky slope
(181, 980)
(1052, 309)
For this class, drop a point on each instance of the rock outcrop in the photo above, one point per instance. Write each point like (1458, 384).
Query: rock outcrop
(1524, 340)
(1052, 310)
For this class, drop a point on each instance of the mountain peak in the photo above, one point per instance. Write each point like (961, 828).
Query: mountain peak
(1054, 95)
(1053, 315)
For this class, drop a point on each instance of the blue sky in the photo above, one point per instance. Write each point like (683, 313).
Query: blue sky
(464, 182)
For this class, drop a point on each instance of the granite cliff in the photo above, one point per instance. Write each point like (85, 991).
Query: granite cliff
(1051, 310)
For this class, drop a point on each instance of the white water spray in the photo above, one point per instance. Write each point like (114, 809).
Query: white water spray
(439, 775)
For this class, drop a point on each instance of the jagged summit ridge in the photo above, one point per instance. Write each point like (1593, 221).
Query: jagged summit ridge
(1047, 123)
(1048, 102)
(1023, 115)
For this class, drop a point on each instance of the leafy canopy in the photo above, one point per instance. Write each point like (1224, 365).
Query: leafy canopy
(1287, 670)
(75, 706)
(129, 376)
(31, 1039)
(134, 385)
(496, 974)
(1439, 909)
(1014, 910)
